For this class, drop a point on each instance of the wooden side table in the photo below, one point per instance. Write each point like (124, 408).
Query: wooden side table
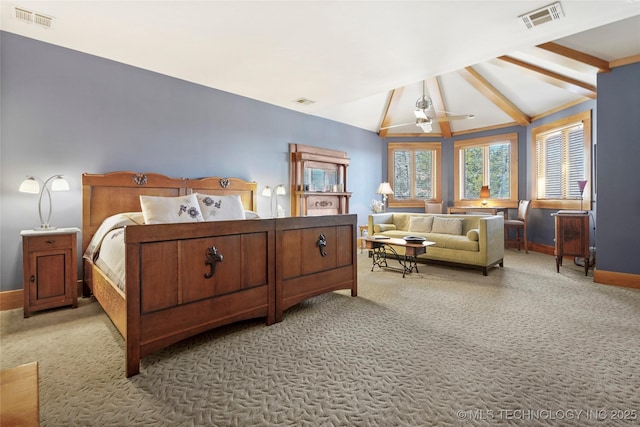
(572, 236)
(49, 268)
(361, 241)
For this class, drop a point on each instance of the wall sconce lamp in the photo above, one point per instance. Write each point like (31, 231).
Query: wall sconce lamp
(484, 194)
(273, 193)
(581, 185)
(32, 185)
(385, 189)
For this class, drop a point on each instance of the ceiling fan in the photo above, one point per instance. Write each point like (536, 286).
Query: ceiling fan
(423, 119)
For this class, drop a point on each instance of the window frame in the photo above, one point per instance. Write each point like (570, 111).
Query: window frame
(413, 147)
(585, 118)
(458, 169)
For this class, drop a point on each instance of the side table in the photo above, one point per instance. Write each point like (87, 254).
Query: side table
(49, 268)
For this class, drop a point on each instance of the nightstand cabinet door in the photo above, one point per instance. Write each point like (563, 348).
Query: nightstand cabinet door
(49, 271)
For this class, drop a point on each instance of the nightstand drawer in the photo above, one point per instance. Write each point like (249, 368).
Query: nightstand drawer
(51, 242)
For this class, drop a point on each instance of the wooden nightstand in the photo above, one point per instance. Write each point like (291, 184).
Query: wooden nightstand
(49, 266)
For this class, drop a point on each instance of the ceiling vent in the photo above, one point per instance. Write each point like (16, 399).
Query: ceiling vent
(31, 17)
(543, 15)
(304, 101)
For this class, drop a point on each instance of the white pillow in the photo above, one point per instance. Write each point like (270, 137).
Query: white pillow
(251, 215)
(160, 210)
(220, 208)
(420, 224)
(447, 225)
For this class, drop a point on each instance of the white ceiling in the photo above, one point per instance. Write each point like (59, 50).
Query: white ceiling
(347, 56)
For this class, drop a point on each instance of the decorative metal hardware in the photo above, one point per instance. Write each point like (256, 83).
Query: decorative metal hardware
(224, 182)
(212, 259)
(322, 243)
(323, 203)
(140, 179)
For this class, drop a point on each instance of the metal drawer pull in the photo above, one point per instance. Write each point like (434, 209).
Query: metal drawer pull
(51, 242)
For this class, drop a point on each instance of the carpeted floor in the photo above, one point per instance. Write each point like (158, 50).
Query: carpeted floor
(446, 346)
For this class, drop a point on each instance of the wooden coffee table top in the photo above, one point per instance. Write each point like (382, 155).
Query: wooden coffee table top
(399, 242)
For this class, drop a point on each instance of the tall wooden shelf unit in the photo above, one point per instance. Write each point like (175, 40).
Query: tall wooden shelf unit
(572, 236)
(318, 178)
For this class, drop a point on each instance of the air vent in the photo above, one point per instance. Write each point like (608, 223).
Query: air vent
(304, 101)
(543, 15)
(32, 17)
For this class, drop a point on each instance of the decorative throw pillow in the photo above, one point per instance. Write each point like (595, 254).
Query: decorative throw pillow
(220, 208)
(447, 225)
(420, 224)
(161, 210)
(250, 215)
(379, 228)
(473, 234)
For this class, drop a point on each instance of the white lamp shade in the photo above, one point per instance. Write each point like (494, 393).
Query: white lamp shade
(59, 184)
(280, 190)
(384, 188)
(266, 191)
(29, 185)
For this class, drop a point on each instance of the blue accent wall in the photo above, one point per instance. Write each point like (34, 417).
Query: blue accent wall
(65, 112)
(618, 170)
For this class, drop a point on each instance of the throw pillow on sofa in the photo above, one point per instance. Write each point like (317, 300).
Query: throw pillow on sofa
(379, 228)
(473, 234)
(447, 225)
(420, 224)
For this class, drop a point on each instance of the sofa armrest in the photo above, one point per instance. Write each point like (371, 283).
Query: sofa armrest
(491, 238)
(384, 218)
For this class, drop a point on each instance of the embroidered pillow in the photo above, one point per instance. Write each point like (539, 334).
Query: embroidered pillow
(420, 224)
(161, 210)
(220, 208)
(447, 225)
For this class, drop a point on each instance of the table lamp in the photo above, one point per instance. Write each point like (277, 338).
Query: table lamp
(484, 194)
(32, 185)
(384, 189)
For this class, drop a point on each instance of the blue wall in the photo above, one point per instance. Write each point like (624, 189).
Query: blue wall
(65, 112)
(618, 178)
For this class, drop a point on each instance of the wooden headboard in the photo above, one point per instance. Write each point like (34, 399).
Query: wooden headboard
(107, 194)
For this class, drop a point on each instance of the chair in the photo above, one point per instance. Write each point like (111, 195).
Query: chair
(518, 225)
(433, 207)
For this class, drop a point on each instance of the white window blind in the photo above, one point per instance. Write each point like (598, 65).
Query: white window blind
(560, 162)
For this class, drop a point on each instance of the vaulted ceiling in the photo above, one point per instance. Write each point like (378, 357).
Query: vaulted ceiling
(363, 63)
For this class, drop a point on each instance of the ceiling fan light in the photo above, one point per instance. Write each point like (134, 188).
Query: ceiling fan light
(420, 114)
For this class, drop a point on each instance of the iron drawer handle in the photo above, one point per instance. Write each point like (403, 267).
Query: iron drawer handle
(51, 242)
(212, 258)
(322, 243)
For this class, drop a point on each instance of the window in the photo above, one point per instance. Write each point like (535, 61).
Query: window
(488, 161)
(562, 157)
(414, 173)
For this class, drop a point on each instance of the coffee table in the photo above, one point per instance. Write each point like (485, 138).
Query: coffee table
(378, 246)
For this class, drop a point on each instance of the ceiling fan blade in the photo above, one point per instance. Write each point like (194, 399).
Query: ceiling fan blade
(398, 125)
(457, 117)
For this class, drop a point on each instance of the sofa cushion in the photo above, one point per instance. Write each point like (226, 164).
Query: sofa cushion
(380, 228)
(420, 224)
(447, 226)
(473, 234)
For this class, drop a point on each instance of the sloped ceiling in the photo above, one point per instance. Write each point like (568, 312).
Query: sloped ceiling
(363, 63)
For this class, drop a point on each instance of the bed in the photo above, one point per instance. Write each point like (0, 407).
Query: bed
(181, 279)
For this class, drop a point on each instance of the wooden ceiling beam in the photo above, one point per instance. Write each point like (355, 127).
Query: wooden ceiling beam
(392, 108)
(488, 90)
(576, 55)
(563, 82)
(433, 87)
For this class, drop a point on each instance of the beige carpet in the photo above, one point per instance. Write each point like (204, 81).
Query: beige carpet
(446, 346)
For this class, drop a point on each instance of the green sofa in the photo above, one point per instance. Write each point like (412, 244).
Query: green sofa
(471, 240)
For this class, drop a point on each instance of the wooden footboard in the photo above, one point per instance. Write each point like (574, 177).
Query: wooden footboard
(183, 279)
(315, 255)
